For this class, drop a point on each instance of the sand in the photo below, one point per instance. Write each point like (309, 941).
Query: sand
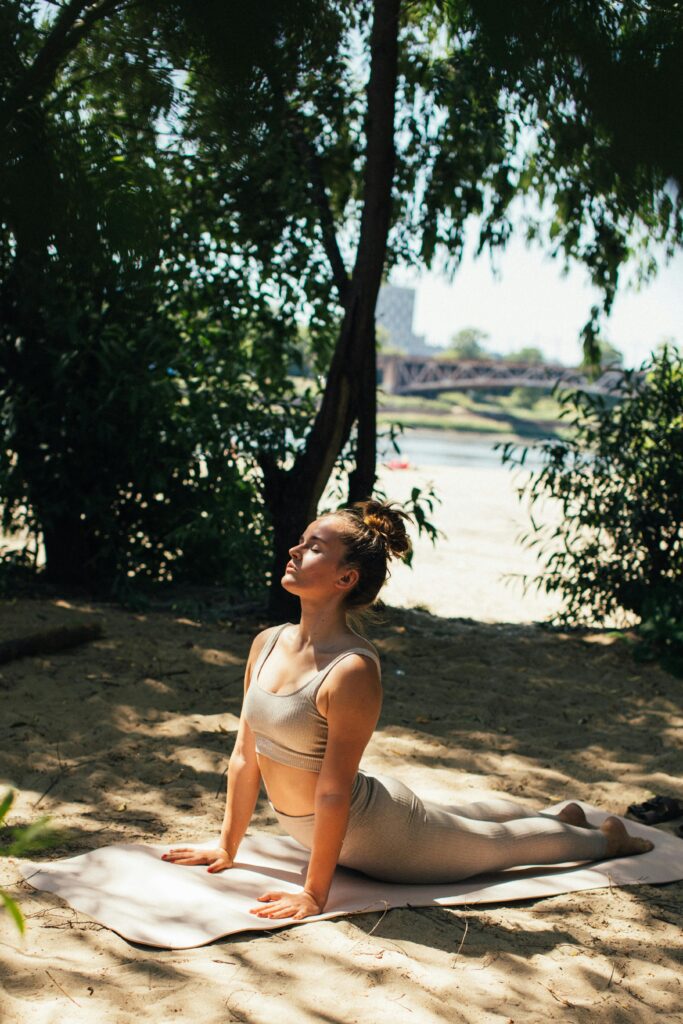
(127, 739)
(476, 569)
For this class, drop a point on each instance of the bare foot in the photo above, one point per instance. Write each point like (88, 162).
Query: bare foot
(573, 814)
(619, 842)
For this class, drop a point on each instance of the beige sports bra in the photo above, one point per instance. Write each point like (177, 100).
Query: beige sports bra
(288, 727)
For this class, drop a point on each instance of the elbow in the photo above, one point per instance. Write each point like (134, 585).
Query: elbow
(241, 763)
(337, 796)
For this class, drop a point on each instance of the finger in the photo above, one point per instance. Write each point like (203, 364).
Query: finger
(264, 911)
(280, 909)
(284, 912)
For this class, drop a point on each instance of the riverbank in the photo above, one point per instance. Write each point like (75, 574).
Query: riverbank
(525, 413)
(475, 570)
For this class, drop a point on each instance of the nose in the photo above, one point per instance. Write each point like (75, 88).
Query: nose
(294, 548)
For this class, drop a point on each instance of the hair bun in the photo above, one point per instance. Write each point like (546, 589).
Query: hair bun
(388, 523)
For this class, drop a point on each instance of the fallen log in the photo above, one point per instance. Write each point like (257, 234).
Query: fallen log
(49, 640)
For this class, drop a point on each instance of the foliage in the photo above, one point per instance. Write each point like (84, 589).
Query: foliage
(609, 357)
(525, 397)
(180, 205)
(661, 630)
(468, 343)
(420, 505)
(618, 547)
(526, 354)
(588, 87)
(36, 836)
(137, 365)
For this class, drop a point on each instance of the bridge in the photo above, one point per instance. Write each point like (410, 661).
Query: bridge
(424, 375)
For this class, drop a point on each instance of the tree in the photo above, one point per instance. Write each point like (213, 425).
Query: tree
(122, 340)
(299, 109)
(526, 354)
(609, 357)
(618, 547)
(479, 109)
(30, 75)
(321, 172)
(468, 343)
(597, 86)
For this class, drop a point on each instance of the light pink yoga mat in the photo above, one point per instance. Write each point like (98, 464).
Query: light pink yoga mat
(129, 888)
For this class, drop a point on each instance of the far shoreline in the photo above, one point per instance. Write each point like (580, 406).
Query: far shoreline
(466, 436)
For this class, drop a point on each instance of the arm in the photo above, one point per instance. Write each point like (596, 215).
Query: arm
(355, 699)
(244, 779)
(353, 710)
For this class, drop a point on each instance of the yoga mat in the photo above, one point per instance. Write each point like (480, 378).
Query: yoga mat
(128, 888)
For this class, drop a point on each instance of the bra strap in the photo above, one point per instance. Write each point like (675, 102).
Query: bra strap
(352, 650)
(266, 649)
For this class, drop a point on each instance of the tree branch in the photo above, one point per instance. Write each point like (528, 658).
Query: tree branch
(311, 159)
(349, 365)
(74, 21)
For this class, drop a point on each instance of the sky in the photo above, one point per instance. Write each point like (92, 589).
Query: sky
(530, 302)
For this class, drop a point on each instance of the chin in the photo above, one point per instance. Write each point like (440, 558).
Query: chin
(288, 583)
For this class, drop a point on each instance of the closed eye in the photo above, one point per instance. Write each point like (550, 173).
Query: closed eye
(301, 541)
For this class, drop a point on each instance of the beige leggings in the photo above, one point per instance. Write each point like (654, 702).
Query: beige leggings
(395, 836)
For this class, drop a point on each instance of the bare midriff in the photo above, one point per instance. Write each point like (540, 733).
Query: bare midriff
(291, 790)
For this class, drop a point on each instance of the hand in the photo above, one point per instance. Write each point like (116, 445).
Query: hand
(287, 904)
(218, 859)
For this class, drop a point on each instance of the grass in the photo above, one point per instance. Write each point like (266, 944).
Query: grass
(520, 412)
(525, 412)
(473, 424)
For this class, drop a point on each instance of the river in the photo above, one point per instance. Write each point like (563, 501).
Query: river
(437, 448)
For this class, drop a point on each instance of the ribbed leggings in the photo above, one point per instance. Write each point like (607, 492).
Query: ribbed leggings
(395, 836)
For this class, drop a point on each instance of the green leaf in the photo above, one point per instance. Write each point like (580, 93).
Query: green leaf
(6, 803)
(14, 911)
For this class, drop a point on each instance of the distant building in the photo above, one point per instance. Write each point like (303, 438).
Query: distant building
(394, 312)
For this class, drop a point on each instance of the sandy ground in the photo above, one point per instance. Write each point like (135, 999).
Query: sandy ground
(127, 739)
(476, 569)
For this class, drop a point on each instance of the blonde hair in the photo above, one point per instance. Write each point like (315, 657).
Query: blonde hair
(373, 532)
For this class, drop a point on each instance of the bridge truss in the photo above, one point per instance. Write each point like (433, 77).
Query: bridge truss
(421, 375)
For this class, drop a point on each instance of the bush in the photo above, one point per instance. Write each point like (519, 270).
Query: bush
(525, 397)
(618, 550)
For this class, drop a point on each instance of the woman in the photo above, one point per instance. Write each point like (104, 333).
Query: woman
(312, 700)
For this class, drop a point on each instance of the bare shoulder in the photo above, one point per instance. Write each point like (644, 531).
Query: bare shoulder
(260, 640)
(364, 642)
(353, 675)
(351, 696)
(257, 645)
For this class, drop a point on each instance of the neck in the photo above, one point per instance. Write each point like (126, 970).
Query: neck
(321, 624)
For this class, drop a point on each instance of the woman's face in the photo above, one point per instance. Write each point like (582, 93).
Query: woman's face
(316, 564)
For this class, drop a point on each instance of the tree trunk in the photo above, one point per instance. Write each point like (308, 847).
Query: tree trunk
(49, 641)
(70, 552)
(350, 392)
(362, 478)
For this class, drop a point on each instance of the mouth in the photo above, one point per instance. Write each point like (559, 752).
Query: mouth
(290, 568)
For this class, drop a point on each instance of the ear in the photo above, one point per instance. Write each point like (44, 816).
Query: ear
(349, 579)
